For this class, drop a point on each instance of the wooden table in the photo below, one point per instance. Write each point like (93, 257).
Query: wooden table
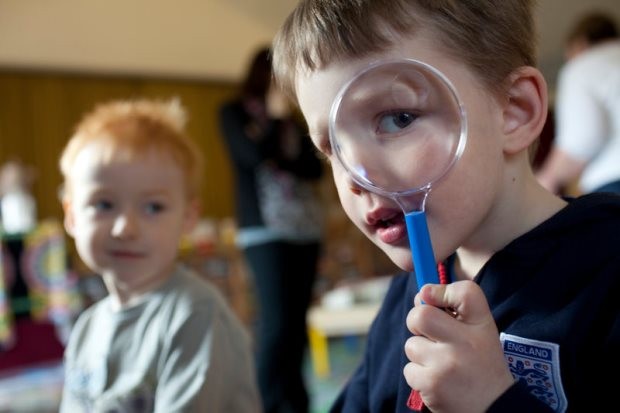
(328, 322)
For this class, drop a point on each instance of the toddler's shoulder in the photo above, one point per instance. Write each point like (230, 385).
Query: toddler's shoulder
(189, 296)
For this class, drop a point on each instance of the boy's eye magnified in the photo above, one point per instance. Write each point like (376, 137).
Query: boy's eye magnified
(395, 121)
(398, 127)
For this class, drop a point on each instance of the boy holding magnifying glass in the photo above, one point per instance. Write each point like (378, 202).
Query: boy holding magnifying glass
(534, 278)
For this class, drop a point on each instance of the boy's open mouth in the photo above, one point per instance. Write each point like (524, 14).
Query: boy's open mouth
(386, 223)
(391, 229)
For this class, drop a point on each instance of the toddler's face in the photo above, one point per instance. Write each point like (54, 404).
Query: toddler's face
(127, 217)
(460, 203)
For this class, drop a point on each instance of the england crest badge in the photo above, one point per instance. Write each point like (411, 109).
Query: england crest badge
(536, 364)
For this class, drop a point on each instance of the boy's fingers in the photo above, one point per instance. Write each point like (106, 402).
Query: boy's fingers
(464, 300)
(431, 322)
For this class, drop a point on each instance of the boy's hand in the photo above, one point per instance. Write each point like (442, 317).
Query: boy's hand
(456, 359)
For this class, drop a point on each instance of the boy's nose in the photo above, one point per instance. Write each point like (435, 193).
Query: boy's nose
(125, 226)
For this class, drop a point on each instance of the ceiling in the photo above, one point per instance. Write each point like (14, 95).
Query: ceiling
(209, 39)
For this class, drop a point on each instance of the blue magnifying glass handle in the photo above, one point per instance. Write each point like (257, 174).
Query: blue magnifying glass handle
(421, 249)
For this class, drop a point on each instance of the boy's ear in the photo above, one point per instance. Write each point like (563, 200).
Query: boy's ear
(69, 220)
(525, 109)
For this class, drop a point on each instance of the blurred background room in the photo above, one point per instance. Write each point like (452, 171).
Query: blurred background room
(58, 58)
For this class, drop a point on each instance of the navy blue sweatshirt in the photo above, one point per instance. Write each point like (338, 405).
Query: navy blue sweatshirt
(554, 294)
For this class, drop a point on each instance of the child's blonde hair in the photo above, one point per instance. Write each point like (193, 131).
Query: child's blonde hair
(492, 37)
(127, 129)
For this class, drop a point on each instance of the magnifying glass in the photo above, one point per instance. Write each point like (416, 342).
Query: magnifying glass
(397, 128)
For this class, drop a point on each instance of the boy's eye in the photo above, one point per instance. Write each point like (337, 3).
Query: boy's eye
(102, 205)
(396, 121)
(154, 207)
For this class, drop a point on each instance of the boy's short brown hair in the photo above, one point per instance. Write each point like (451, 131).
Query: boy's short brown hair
(492, 37)
(127, 129)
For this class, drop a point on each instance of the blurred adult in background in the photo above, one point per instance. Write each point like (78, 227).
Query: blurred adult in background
(587, 142)
(279, 219)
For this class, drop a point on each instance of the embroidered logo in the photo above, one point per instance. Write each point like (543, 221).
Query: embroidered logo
(537, 365)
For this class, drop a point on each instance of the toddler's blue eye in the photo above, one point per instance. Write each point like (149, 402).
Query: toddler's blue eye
(394, 122)
(103, 205)
(154, 207)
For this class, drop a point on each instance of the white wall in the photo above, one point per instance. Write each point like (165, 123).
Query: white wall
(194, 38)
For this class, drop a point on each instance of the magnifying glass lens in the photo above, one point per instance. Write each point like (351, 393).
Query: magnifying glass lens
(397, 127)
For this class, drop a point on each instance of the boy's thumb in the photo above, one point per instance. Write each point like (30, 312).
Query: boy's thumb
(462, 299)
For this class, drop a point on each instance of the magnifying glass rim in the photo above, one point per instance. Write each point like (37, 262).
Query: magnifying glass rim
(362, 181)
